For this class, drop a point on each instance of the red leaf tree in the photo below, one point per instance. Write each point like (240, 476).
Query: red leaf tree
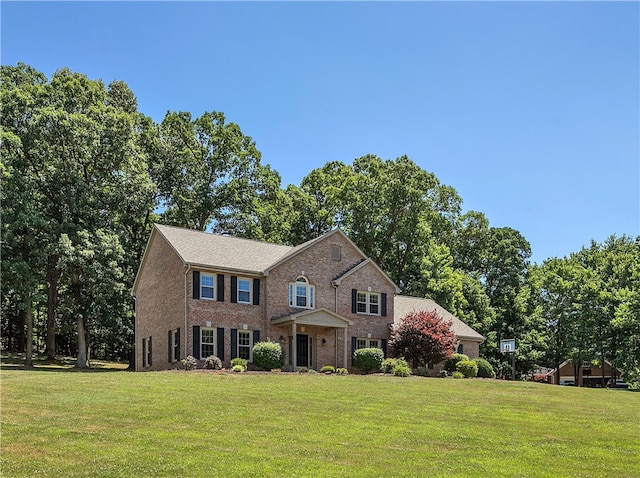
(423, 337)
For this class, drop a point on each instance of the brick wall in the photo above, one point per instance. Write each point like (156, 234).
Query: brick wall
(159, 302)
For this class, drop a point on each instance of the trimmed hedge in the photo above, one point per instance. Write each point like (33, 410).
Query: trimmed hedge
(368, 359)
(485, 370)
(268, 355)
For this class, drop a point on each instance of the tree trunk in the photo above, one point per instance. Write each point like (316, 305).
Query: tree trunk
(22, 321)
(28, 361)
(82, 360)
(52, 304)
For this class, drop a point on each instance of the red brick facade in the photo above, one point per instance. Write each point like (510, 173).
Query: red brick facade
(168, 305)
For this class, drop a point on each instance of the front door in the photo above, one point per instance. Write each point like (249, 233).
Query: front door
(302, 350)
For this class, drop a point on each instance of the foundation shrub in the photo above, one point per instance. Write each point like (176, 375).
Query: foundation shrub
(450, 364)
(485, 370)
(401, 371)
(213, 363)
(268, 355)
(468, 368)
(328, 369)
(368, 359)
(239, 361)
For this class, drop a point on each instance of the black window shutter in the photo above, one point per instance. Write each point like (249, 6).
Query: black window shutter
(169, 346)
(221, 343)
(256, 336)
(384, 347)
(178, 343)
(256, 291)
(234, 343)
(220, 291)
(144, 352)
(354, 299)
(196, 342)
(234, 289)
(353, 349)
(196, 284)
(383, 299)
(150, 350)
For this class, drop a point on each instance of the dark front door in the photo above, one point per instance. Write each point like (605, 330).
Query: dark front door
(302, 350)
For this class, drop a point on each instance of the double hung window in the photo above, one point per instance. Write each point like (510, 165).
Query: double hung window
(301, 294)
(244, 290)
(245, 344)
(207, 287)
(368, 303)
(207, 342)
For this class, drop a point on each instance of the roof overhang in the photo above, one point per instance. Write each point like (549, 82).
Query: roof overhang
(318, 317)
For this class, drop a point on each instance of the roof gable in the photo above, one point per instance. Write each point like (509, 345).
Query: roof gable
(404, 305)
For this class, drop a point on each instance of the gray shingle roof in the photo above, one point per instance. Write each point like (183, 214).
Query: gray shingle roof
(222, 252)
(403, 305)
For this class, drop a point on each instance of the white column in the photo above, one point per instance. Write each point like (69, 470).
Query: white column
(294, 346)
(345, 348)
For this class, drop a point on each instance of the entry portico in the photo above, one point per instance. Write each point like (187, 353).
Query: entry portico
(320, 318)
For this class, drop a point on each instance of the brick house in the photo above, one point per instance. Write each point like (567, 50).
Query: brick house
(589, 375)
(205, 294)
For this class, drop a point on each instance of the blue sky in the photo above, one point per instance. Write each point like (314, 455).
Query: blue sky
(531, 110)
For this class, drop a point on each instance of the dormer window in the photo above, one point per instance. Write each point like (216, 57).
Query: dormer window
(301, 294)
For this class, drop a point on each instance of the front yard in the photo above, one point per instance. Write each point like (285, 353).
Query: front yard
(73, 424)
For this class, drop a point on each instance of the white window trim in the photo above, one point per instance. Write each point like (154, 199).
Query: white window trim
(310, 294)
(368, 343)
(250, 346)
(250, 301)
(213, 286)
(213, 343)
(368, 303)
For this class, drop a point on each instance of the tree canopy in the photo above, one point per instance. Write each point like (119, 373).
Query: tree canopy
(85, 175)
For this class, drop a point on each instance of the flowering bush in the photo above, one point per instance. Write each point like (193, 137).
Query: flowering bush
(189, 362)
(213, 363)
(342, 371)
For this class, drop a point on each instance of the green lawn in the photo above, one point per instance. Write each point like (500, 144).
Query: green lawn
(189, 424)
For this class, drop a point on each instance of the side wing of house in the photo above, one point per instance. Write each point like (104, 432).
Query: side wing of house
(468, 339)
(159, 306)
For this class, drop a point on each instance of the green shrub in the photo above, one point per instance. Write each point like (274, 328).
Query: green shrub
(450, 364)
(368, 359)
(239, 361)
(485, 370)
(237, 368)
(302, 369)
(312, 371)
(468, 368)
(422, 371)
(342, 371)
(387, 365)
(213, 363)
(401, 371)
(189, 362)
(268, 355)
(328, 368)
(458, 375)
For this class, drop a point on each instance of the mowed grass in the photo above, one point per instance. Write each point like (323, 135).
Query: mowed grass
(192, 424)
